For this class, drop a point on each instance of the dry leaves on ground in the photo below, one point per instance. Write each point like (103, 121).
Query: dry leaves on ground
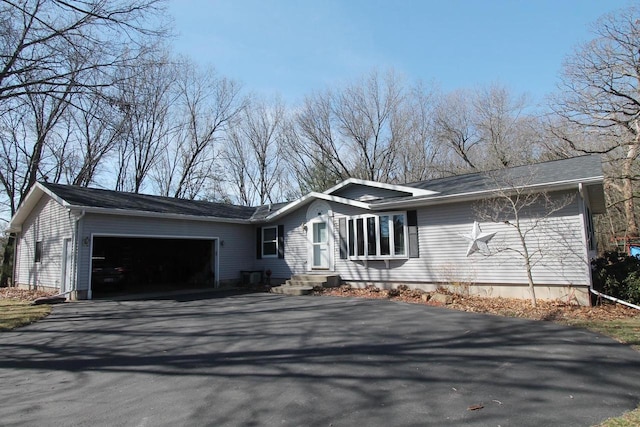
(22, 294)
(546, 310)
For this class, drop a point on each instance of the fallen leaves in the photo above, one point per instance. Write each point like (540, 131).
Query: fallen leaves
(545, 310)
(17, 294)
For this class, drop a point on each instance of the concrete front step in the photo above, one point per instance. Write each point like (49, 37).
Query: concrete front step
(292, 290)
(303, 284)
(327, 280)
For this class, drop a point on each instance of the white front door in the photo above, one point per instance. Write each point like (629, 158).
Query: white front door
(320, 245)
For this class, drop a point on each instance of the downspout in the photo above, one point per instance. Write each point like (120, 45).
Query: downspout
(76, 247)
(15, 253)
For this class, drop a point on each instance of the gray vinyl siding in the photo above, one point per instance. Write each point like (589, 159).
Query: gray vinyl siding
(443, 251)
(295, 248)
(49, 223)
(236, 253)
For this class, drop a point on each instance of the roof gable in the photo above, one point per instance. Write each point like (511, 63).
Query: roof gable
(363, 190)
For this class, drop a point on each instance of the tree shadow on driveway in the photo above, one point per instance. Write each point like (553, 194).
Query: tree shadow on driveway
(260, 359)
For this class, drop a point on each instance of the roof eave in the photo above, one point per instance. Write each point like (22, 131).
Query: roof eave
(478, 195)
(161, 215)
(313, 196)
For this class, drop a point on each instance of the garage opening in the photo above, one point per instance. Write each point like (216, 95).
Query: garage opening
(123, 265)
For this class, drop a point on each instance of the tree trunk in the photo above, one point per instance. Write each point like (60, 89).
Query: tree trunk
(7, 262)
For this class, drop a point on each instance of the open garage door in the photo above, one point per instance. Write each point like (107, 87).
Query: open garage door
(122, 265)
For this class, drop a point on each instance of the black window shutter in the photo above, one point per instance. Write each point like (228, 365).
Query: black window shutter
(281, 241)
(412, 223)
(342, 231)
(259, 243)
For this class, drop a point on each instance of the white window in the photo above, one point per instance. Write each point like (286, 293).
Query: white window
(377, 236)
(269, 242)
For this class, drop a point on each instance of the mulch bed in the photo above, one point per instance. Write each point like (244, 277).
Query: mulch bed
(545, 310)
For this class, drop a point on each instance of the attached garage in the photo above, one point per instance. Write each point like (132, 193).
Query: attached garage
(98, 243)
(135, 264)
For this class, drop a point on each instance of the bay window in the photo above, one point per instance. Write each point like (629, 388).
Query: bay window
(377, 236)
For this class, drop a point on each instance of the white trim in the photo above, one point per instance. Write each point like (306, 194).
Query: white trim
(313, 196)
(394, 187)
(262, 241)
(483, 194)
(326, 219)
(377, 216)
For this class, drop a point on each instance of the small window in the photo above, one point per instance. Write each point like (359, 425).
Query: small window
(38, 254)
(270, 241)
(398, 234)
(352, 237)
(371, 236)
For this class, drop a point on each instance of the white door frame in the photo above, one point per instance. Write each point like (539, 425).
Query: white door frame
(320, 212)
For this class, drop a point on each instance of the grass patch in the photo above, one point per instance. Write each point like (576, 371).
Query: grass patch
(626, 331)
(630, 419)
(14, 314)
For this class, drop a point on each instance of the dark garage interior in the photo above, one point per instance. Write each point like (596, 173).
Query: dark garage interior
(123, 265)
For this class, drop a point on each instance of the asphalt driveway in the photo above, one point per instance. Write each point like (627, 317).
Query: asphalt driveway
(263, 360)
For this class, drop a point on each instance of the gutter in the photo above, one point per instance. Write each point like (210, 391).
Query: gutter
(482, 194)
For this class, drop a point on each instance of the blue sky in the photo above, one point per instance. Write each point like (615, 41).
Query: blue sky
(296, 47)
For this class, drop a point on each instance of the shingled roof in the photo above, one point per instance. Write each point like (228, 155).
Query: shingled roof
(586, 170)
(555, 171)
(83, 197)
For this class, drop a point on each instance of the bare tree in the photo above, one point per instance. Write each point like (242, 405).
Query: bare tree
(254, 154)
(14, 139)
(364, 113)
(353, 131)
(417, 153)
(528, 213)
(318, 156)
(506, 133)
(207, 103)
(600, 94)
(98, 127)
(454, 128)
(146, 97)
(37, 38)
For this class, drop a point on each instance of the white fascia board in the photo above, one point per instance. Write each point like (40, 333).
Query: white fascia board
(31, 199)
(313, 196)
(161, 215)
(484, 194)
(394, 187)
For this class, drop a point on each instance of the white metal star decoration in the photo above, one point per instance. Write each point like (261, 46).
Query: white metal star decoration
(478, 241)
